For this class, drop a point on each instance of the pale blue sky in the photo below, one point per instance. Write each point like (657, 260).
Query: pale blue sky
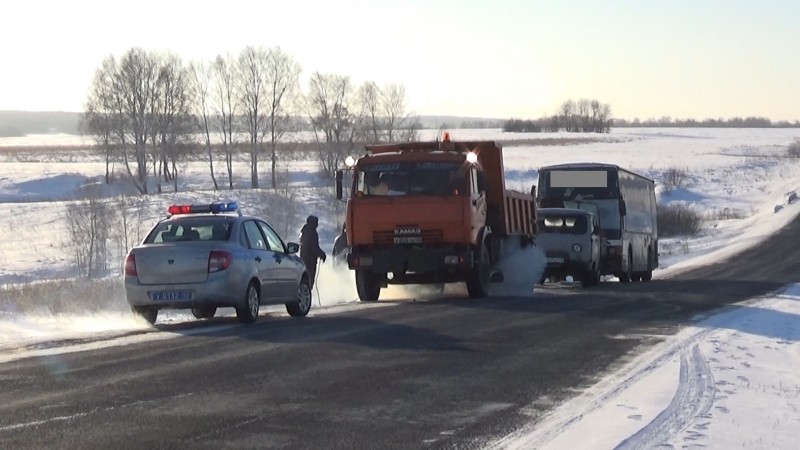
(501, 58)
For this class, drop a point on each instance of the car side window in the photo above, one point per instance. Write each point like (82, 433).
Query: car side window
(274, 242)
(254, 236)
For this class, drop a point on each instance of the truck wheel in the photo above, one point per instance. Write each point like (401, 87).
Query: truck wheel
(367, 286)
(478, 278)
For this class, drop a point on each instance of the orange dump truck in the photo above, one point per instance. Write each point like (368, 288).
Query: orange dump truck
(432, 212)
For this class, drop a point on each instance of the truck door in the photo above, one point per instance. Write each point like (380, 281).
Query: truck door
(477, 201)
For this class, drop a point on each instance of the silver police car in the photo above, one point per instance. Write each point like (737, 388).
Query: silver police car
(202, 257)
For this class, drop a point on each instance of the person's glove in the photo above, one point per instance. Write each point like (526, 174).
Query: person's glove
(324, 257)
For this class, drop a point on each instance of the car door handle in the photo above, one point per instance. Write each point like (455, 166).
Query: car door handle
(258, 258)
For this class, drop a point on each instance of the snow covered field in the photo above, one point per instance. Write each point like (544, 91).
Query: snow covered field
(729, 380)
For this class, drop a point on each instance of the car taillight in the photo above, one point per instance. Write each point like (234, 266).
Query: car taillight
(219, 260)
(130, 266)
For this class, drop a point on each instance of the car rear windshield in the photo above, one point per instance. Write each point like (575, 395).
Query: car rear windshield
(564, 224)
(191, 229)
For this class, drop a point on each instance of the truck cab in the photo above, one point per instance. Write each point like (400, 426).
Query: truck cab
(431, 213)
(572, 241)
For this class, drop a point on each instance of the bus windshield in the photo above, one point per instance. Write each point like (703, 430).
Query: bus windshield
(412, 178)
(578, 185)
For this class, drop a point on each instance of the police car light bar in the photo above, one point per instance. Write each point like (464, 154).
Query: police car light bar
(214, 208)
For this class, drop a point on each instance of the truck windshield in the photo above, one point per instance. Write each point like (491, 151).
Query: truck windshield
(414, 178)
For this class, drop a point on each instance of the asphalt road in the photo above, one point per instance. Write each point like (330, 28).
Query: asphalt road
(444, 373)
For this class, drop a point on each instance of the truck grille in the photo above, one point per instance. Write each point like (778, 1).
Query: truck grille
(389, 237)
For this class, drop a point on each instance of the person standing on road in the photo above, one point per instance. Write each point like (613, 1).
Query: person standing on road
(310, 250)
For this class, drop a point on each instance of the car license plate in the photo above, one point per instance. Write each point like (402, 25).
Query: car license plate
(555, 259)
(160, 296)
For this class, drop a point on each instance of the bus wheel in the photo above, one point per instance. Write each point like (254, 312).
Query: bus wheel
(627, 276)
(647, 275)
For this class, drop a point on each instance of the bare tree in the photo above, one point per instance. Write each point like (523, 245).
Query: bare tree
(253, 64)
(394, 107)
(201, 75)
(136, 84)
(87, 222)
(282, 85)
(567, 111)
(329, 103)
(584, 108)
(369, 97)
(100, 119)
(172, 116)
(226, 107)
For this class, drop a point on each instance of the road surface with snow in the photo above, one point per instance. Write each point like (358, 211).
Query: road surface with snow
(449, 372)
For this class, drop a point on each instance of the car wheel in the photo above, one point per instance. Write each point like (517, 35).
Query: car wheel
(147, 313)
(478, 279)
(248, 312)
(204, 312)
(302, 306)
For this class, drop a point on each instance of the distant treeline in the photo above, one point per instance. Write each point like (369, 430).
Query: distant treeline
(21, 123)
(585, 115)
(735, 122)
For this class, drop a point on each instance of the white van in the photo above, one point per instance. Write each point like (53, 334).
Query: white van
(571, 240)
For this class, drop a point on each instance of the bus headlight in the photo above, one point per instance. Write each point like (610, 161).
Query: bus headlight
(577, 248)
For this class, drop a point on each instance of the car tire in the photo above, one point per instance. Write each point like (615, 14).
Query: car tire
(148, 313)
(478, 278)
(302, 306)
(248, 311)
(204, 312)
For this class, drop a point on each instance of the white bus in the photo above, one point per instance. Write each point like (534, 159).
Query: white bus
(625, 203)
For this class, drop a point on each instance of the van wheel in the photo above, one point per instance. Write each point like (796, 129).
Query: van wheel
(478, 278)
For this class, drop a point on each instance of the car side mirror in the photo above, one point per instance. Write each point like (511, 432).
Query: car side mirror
(339, 177)
(292, 247)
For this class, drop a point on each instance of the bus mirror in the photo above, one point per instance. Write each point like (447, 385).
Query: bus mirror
(339, 176)
(623, 211)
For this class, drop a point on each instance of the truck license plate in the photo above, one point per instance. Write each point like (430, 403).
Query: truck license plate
(555, 259)
(408, 240)
(160, 296)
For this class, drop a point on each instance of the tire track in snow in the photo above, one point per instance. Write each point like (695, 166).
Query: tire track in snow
(693, 399)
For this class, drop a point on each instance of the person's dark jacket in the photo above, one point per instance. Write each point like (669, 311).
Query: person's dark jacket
(309, 244)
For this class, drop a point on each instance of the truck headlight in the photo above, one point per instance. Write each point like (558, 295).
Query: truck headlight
(577, 248)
